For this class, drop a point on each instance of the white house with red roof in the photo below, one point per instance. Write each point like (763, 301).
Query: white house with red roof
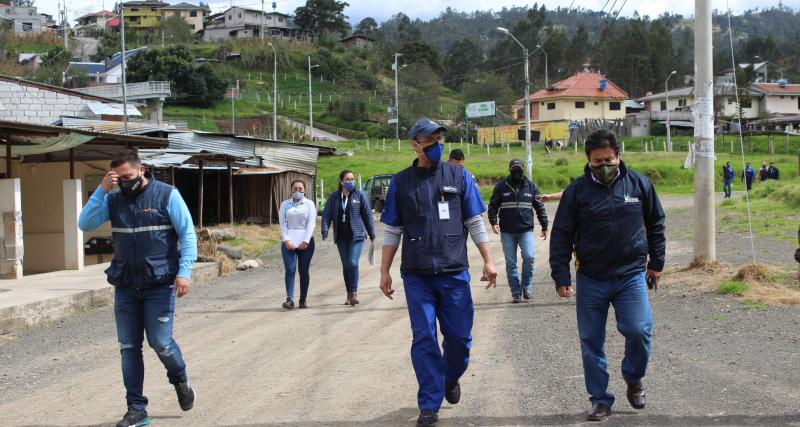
(779, 98)
(96, 19)
(585, 95)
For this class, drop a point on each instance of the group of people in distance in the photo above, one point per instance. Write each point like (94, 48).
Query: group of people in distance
(610, 219)
(748, 175)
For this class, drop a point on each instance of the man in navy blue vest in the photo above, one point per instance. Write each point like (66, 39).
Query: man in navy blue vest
(612, 219)
(430, 206)
(155, 247)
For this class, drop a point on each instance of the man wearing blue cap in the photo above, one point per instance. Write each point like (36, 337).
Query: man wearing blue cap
(429, 206)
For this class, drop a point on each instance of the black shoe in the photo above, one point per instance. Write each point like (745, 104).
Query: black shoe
(526, 294)
(516, 299)
(452, 392)
(303, 304)
(134, 417)
(186, 395)
(599, 412)
(289, 304)
(427, 418)
(636, 395)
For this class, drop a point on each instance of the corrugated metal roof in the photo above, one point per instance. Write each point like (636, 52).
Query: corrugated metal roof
(101, 109)
(215, 144)
(134, 128)
(289, 157)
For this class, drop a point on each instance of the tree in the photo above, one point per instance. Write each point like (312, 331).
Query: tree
(463, 59)
(489, 87)
(175, 30)
(421, 53)
(507, 51)
(367, 28)
(579, 49)
(323, 16)
(199, 85)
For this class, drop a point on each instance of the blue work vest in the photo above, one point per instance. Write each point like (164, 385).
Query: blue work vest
(145, 242)
(432, 245)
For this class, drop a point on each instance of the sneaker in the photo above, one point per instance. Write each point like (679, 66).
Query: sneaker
(427, 418)
(186, 395)
(526, 294)
(516, 299)
(289, 304)
(452, 392)
(134, 418)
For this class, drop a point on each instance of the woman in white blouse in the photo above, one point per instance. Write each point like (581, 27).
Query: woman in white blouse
(298, 217)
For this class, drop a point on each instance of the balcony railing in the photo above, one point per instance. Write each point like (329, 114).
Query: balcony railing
(143, 90)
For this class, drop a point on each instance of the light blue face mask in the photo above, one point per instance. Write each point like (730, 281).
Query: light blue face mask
(298, 196)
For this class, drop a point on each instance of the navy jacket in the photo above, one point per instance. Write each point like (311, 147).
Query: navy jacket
(612, 229)
(432, 245)
(145, 242)
(514, 207)
(360, 217)
(728, 174)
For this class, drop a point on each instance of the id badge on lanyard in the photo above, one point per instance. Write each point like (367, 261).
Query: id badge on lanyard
(344, 210)
(444, 208)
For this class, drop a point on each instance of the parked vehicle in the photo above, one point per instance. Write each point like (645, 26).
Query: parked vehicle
(376, 188)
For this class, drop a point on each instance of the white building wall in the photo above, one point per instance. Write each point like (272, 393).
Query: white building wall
(27, 104)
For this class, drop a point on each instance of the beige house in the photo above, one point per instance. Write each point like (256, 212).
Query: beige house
(585, 95)
(779, 98)
(192, 14)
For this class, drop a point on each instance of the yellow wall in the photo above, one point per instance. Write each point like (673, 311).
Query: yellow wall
(787, 105)
(565, 110)
(147, 18)
(43, 212)
(553, 130)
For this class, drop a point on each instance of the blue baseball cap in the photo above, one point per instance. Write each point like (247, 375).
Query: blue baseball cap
(425, 127)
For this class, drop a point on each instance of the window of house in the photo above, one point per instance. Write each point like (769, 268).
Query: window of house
(30, 13)
(193, 14)
(280, 19)
(27, 26)
(230, 17)
(580, 104)
(730, 100)
(746, 103)
(782, 96)
(240, 15)
(153, 9)
(614, 106)
(663, 105)
(551, 105)
(596, 103)
(681, 102)
(134, 9)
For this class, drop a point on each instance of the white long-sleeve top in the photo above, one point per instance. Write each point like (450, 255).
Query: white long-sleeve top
(297, 220)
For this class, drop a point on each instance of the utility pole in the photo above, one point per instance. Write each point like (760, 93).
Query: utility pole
(666, 93)
(64, 24)
(705, 249)
(310, 103)
(274, 91)
(124, 70)
(396, 97)
(261, 33)
(234, 95)
(546, 80)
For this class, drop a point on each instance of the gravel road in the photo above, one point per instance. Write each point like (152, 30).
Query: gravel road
(714, 362)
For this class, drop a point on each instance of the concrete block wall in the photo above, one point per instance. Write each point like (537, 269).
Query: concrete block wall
(29, 104)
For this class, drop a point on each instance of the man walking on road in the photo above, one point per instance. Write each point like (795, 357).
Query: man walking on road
(149, 221)
(429, 206)
(513, 201)
(728, 174)
(614, 220)
(748, 176)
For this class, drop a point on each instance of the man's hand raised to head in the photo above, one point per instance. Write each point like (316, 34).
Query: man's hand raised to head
(109, 181)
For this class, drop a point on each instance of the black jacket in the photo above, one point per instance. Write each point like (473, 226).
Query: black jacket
(612, 229)
(514, 206)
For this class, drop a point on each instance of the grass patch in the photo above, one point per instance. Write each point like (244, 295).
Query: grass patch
(732, 287)
(774, 209)
(753, 305)
(717, 317)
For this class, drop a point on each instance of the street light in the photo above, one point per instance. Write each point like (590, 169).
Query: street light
(396, 100)
(527, 103)
(546, 82)
(310, 102)
(666, 92)
(274, 93)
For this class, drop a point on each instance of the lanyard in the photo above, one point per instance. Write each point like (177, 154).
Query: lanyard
(344, 208)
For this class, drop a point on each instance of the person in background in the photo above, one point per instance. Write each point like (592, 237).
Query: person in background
(612, 218)
(511, 213)
(797, 256)
(773, 172)
(428, 207)
(552, 196)
(728, 174)
(298, 218)
(456, 157)
(348, 208)
(155, 247)
(762, 173)
(748, 176)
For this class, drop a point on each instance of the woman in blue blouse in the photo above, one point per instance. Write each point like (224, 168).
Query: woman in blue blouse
(349, 212)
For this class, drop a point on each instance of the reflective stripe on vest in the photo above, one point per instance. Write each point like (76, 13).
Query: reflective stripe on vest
(142, 229)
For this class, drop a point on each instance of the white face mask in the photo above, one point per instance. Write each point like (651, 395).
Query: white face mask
(298, 196)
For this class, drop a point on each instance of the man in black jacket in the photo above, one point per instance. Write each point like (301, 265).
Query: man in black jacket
(513, 201)
(613, 219)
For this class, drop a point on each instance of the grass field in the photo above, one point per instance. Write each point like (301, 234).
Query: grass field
(774, 209)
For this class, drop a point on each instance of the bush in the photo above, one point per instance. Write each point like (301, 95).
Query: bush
(561, 162)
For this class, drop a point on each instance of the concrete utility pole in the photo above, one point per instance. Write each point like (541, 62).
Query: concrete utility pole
(310, 103)
(705, 249)
(124, 70)
(666, 93)
(274, 92)
(234, 95)
(396, 97)
(261, 33)
(527, 103)
(546, 80)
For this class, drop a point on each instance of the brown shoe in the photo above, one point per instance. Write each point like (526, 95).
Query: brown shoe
(354, 299)
(349, 299)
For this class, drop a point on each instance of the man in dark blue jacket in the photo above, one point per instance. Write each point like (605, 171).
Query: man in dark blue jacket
(748, 176)
(728, 175)
(429, 206)
(513, 202)
(612, 218)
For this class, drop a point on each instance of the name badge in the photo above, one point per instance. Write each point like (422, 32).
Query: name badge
(444, 211)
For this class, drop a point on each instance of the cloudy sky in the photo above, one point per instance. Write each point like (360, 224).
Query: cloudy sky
(426, 9)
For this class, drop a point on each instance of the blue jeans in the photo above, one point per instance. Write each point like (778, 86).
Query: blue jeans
(447, 298)
(525, 241)
(292, 262)
(727, 185)
(350, 252)
(150, 310)
(628, 295)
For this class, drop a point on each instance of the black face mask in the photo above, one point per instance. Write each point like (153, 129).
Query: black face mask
(516, 176)
(132, 187)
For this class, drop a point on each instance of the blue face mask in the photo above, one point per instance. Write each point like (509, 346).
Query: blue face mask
(434, 152)
(349, 185)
